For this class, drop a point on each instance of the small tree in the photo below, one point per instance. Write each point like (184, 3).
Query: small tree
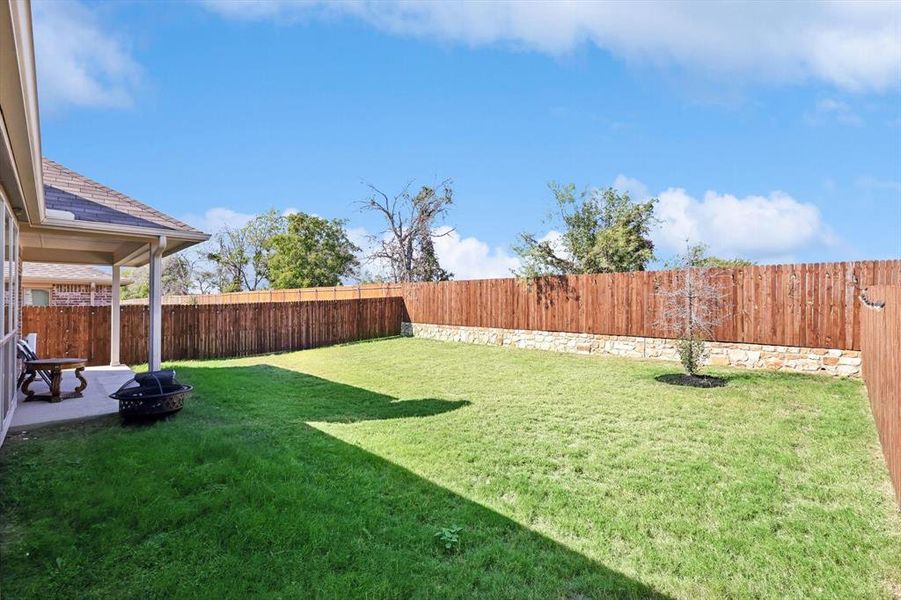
(691, 308)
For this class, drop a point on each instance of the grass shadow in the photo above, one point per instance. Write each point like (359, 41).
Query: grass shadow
(240, 496)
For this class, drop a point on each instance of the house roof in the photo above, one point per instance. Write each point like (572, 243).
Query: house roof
(56, 272)
(85, 222)
(89, 201)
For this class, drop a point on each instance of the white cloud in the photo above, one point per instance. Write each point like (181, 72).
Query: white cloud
(361, 237)
(471, 258)
(555, 238)
(465, 257)
(766, 228)
(216, 219)
(851, 45)
(869, 183)
(829, 109)
(636, 189)
(79, 61)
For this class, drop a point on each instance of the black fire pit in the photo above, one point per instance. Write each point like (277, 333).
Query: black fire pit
(152, 394)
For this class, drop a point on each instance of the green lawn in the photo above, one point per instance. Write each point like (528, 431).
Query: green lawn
(327, 473)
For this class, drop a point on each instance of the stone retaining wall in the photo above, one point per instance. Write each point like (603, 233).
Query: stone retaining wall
(843, 363)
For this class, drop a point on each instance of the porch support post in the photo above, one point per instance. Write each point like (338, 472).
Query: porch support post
(155, 335)
(114, 319)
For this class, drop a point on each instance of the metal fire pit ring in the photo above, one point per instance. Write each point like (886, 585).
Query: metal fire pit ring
(152, 395)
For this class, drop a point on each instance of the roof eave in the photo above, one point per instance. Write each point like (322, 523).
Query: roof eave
(34, 281)
(149, 233)
(20, 126)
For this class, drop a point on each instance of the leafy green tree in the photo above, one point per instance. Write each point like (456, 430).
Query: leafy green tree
(177, 278)
(696, 256)
(367, 276)
(139, 286)
(206, 275)
(312, 252)
(242, 254)
(603, 231)
(177, 275)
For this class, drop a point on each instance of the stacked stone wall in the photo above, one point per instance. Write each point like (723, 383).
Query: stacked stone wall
(829, 361)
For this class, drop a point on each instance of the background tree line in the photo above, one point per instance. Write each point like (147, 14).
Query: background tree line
(600, 231)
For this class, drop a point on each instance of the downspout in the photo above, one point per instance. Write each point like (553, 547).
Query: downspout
(160, 247)
(155, 337)
(115, 319)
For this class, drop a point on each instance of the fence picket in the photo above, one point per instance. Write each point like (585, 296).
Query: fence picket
(211, 331)
(881, 340)
(813, 305)
(810, 305)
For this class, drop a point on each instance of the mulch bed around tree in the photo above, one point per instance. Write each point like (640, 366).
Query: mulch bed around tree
(701, 381)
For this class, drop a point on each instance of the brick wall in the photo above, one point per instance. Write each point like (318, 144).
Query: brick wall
(80, 295)
(103, 295)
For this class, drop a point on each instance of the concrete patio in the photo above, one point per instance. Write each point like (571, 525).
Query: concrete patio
(95, 401)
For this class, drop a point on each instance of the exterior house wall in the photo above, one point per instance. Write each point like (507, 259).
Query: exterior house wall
(80, 295)
(10, 317)
(68, 294)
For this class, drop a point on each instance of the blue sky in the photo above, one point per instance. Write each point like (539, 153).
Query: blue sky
(769, 131)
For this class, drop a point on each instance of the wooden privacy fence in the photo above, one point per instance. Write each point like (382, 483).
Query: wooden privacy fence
(71, 331)
(881, 350)
(805, 305)
(340, 292)
(211, 331)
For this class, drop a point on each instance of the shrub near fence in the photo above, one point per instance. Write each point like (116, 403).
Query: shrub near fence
(212, 331)
(804, 305)
(881, 349)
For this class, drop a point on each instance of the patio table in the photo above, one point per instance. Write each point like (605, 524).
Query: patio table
(54, 366)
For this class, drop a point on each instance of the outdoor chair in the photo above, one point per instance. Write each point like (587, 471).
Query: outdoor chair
(25, 354)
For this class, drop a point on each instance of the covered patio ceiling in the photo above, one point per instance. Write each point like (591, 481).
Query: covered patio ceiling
(96, 247)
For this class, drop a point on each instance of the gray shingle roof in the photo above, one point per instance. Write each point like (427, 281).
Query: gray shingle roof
(59, 272)
(90, 201)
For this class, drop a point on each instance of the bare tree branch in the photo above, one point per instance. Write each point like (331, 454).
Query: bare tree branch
(406, 243)
(692, 305)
